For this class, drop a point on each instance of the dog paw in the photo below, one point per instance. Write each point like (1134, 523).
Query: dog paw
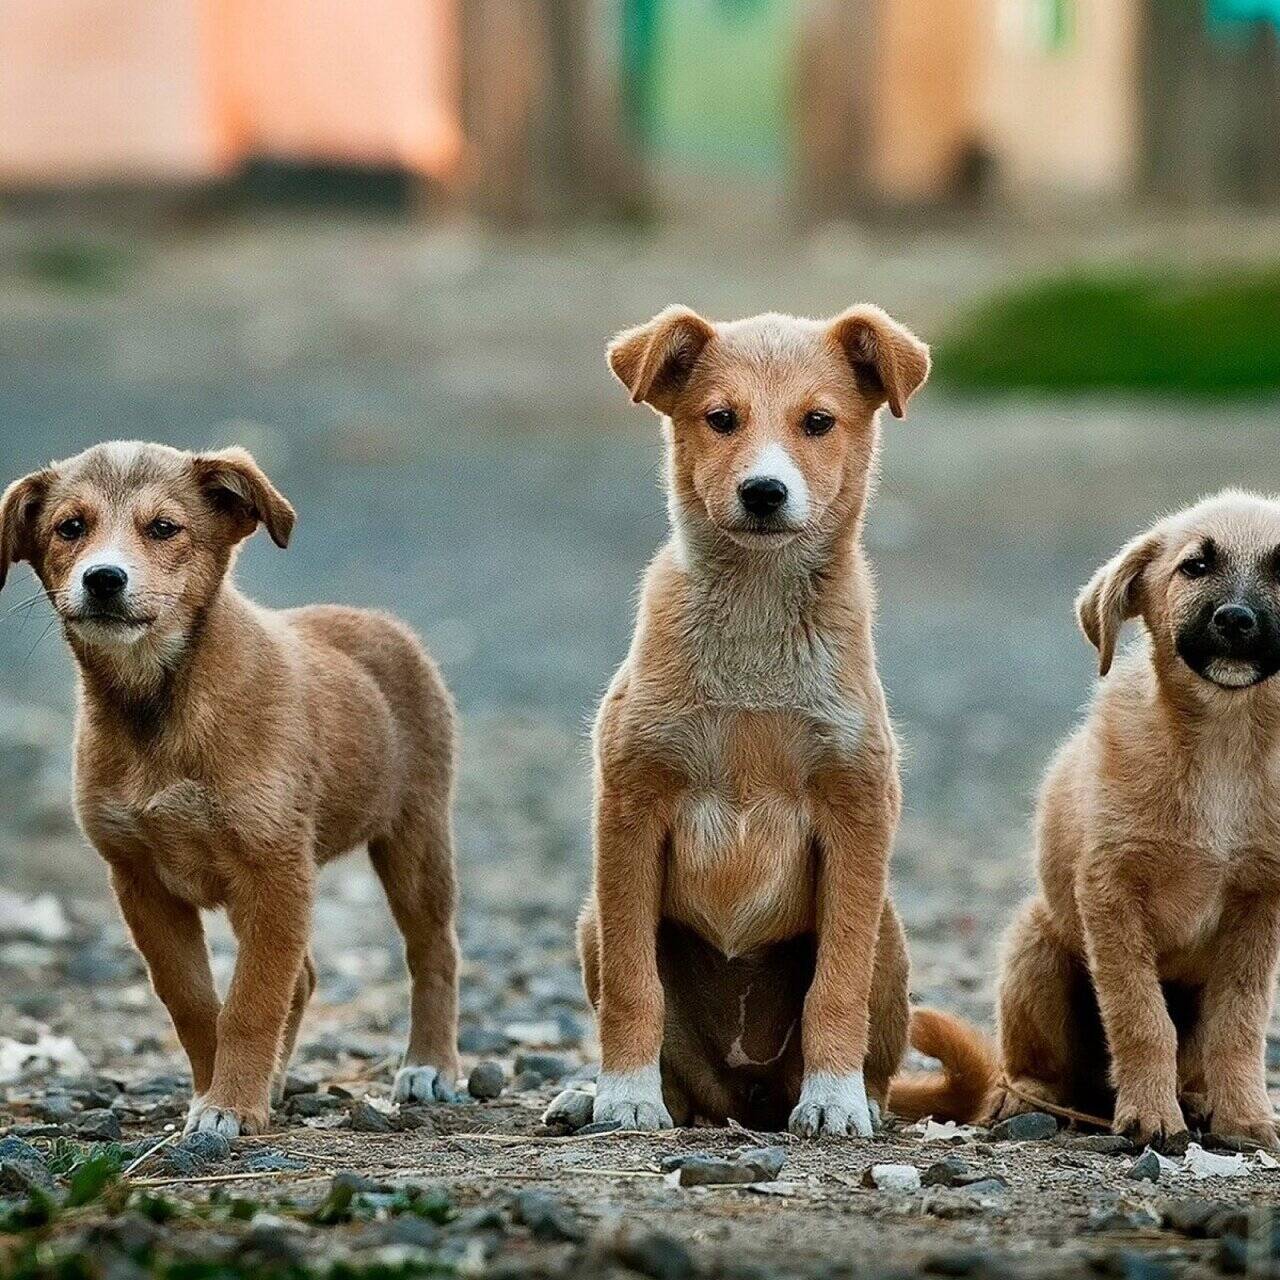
(631, 1099)
(422, 1083)
(1254, 1123)
(832, 1106)
(230, 1122)
(1151, 1124)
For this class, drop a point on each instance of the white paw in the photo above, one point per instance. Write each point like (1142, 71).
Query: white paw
(422, 1084)
(202, 1118)
(632, 1099)
(834, 1105)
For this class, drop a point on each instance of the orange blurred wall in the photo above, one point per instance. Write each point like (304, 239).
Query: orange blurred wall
(129, 90)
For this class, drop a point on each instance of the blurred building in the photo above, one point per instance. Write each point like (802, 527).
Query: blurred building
(560, 108)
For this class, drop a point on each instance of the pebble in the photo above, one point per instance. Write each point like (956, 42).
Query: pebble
(548, 1067)
(205, 1148)
(599, 1126)
(570, 1110)
(655, 1254)
(1103, 1144)
(989, 1186)
(483, 1040)
(97, 1125)
(892, 1177)
(1201, 1219)
(546, 1217)
(366, 1118)
(948, 1172)
(22, 1168)
(699, 1169)
(1115, 1217)
(1146, 1168)
(309, 1105)
(487, 1080)
(1031, 1126)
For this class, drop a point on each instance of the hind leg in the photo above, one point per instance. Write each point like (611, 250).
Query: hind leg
(302, 992)
(416, 867)
(890, 1012)
(1035, 1015)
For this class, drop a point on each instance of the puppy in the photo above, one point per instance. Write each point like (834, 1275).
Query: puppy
(224, 752)
(1138, 983)
(738, 945)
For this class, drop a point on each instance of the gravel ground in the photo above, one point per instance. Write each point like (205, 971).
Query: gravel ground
(437, 407)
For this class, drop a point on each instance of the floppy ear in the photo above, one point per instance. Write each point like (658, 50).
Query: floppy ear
(1113, 595)
(888, 359)
(654, 360)
(18, 510)
(239, 489)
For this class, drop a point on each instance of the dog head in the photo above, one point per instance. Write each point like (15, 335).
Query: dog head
(770, 421)
(131, 541)
(1206, 582)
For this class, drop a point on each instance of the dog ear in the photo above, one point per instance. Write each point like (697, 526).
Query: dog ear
(654, 360)
(239, 489)
(18, 509)
(889, 361)
(1112, 596)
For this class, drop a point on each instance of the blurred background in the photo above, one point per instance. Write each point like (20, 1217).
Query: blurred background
(383, 245)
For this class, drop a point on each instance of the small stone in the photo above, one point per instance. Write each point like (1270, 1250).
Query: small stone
(655, 1254)
(97, 1125)
(271, 1160)
(205, 1148)
(571, 1110)
(949, 1172)
(548, 1067)
(22, 1168)
(366, 1118)
(979, 1187)
(307, 1106)
(526, 1082)
(766, 1162)
(1102, 1144)
(892, 1177)
(487, 1080)
(1031, 1126)
(599, 1126)
(1146, 1168)
(546, 1217)
(1118, 1218)
(297, 1085)
(1196, 1217)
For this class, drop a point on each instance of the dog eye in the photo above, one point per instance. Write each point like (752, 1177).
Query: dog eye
(818, 423)
(162, 530)
(71, 529)
(1195, 567)
(722, 420)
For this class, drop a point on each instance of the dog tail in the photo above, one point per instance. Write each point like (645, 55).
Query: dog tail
(969, 1070)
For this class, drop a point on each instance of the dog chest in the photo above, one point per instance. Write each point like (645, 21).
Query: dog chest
(739, 865)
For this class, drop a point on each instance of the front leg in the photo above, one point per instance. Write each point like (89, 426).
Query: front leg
(1235, 1005)
(169, 934)
(856, 818)
(270, 915)
(1141, 1037)
(629, 837)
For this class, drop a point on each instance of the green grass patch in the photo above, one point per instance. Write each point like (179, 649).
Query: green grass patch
(1146, 332)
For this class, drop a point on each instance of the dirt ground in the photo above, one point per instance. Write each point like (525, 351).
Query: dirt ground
(436, 405)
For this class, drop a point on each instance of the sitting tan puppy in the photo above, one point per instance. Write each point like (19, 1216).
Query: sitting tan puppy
(738, 944)
(1159, 847)
(224, 751)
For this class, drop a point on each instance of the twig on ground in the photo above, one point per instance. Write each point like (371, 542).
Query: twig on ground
(150, 1151)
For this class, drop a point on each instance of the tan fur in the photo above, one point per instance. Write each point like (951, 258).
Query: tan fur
(1159, 861)
(746, 772)
(227, 752)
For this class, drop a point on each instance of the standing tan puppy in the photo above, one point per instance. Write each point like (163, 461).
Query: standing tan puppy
(738, 945)
(224, 751)
(1139, 982)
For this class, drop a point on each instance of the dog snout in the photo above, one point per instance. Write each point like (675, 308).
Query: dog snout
(1235, 622)
(762, 496)
(105, 581)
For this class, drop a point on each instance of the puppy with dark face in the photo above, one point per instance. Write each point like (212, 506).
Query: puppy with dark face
(224, 751)
(1138, 983)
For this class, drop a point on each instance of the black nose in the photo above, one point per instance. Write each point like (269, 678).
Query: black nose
(762, 495)
(105, 580)
(1235, 621)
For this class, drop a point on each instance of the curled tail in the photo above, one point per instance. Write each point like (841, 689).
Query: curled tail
(969, 1070)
